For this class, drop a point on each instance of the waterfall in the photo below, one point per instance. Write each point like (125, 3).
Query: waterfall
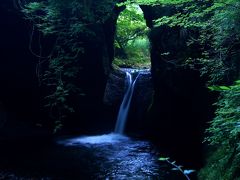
(124, 108)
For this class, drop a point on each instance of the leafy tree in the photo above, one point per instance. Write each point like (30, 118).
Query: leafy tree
(131, 42)
(223, 135)
(225, 127)
(130, 26)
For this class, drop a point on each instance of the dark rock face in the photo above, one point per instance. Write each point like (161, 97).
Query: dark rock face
(182, 103)
(19, 92)
(141, 103)
(21, 97)
(141, 100)
(115, 88)
(90, 116)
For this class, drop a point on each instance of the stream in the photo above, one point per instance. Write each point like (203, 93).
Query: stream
(110, 156)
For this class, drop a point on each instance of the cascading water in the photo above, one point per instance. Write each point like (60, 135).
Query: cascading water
(124, 108)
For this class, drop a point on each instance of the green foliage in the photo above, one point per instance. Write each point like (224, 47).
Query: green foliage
(177, 167)
(222, 164)
(219, 88)
(220, 62)
(163, 158)
(225, 128)
(50, 18)
(33, 7)
(154, 2)
(224, 135)
(138, 55)
(130, 25)
(66, 21)
(131, 43)
(217, 24)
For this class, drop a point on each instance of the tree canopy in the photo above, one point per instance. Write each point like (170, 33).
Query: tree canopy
(130, 25)
(131, 41)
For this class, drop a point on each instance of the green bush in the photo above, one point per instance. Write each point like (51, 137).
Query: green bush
(224, 136)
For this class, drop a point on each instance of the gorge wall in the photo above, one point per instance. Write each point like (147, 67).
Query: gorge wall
(175, 117)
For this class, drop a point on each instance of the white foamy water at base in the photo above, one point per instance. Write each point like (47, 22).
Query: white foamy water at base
(111, 138)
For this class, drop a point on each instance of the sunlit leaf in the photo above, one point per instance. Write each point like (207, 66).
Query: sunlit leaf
(163, 159)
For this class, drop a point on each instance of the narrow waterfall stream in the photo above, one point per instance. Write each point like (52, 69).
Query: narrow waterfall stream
(124, 108)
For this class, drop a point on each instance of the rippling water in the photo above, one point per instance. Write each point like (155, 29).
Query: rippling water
(120, 157)
(110, 156)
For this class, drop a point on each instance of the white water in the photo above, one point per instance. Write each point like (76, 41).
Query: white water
(124, 108)
(96, 140)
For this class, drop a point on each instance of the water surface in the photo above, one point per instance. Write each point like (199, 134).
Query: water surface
(109, 156)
